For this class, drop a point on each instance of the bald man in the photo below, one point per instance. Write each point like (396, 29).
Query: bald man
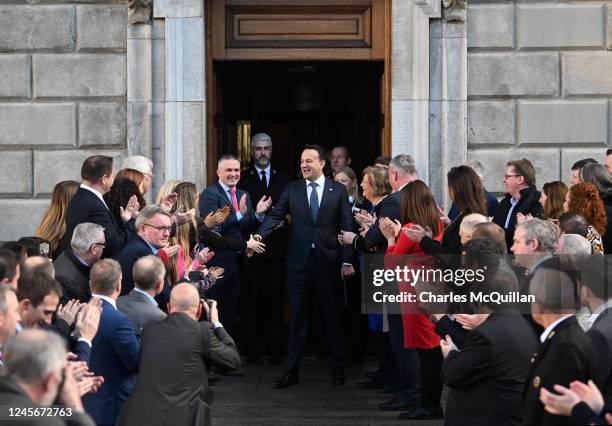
(179, 394)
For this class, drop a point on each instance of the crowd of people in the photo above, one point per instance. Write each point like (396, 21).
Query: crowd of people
(122, 309)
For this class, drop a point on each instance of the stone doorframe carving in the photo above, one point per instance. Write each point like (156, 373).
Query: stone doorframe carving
(179, 151)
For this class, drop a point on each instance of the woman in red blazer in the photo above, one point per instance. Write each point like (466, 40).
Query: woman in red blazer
(418, 207)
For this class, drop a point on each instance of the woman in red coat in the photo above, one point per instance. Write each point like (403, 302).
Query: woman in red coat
(418, 207)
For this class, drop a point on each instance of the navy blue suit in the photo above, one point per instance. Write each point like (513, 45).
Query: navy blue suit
(136, 248)
(227, 290)
(86, 207)
(115, 356)
(313, 268)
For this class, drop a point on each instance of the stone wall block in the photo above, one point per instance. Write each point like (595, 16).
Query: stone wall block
(545, 161)
(15, 76)
(490, 26)
(587, 73)
(14, 223)
(51, 167)
(559, 25)
(609, 25)
(16, 172)
(491, 122)
(562, 122)
(513, 74)
(37, 124)
(139, 130)
(24, 27)
(101, 27)
(102, 124)
(82, 75)
(139, 87)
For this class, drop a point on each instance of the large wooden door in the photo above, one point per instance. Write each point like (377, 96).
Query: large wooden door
(295, 30)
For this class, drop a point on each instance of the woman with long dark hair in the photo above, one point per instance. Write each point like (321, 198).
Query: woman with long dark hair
(53, 224)
(418, 208)
(466, 190)
(552, 199)
(120, 193)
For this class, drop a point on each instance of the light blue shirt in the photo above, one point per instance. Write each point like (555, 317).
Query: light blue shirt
(153, 249)
(267, 170)
(229, 197)
(514, 202)
(149, 297)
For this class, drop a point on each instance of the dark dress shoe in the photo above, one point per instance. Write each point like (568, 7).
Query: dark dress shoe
(396, 404)
(420, 413)
(290, 378)
(338, 378)
(371, 384)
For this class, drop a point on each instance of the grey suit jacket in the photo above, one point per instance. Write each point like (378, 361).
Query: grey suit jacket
(139, 310)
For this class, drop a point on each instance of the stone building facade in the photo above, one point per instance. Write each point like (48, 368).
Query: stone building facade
(491, 80)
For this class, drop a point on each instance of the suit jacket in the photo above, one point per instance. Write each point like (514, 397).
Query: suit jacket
(529, 203)
(565, 356)
(86, 207)
(486, 378)
(213, 198)
(11, 395)
(139, 310)
(250, 181)
(374, 240)
(136, 248)
(178, 395)
(601, 342)
(73, 276)
(114, 355)
(334, 215)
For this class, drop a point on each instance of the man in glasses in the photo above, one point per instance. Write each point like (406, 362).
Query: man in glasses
(152, 233)
(73, 265)
(521, 196)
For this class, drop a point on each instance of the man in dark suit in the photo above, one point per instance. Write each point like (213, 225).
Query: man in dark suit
(153, 231)
(487, 376)
(319, 211)
(179, 395)
(241, 222)
(87, 205)
(565, 351)
(36, 375)
(521, 197)
(139, 305)
(266, 271)
(595, 294)
(73, 265)
(115, 349)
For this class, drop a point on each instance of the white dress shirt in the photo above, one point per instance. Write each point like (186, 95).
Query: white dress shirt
(110, 300)
(267, 170)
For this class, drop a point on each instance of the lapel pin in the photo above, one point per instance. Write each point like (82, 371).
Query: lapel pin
(330, 189)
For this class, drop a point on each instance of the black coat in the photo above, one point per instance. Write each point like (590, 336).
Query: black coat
(73, 276)
(172, 386)
(486, 378)
(529, 203)
(86, 207)
(607, 236)
(334, 215)
(250, 181)
(565, 356)
(601, 342)
(374, 240)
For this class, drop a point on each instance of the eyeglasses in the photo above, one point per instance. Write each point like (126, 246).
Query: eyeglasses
(159, 228)
(509, 176)
(103, 245)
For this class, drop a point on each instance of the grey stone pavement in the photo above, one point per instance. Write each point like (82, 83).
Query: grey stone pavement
(251, 400)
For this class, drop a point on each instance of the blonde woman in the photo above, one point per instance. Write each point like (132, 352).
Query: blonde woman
(53, 224)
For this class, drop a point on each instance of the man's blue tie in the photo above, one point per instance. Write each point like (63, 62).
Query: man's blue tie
(314, 201)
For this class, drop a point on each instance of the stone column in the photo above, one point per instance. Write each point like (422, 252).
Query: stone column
(448, 92)
(184, 108)
(410, 79)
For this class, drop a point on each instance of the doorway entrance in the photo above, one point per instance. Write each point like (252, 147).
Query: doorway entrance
(298, 102)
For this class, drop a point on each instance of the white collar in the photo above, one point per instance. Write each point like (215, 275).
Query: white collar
(94, 191)
(550, 328)
(320, 181)
(597, 312)
(267, 170)
(108, 299)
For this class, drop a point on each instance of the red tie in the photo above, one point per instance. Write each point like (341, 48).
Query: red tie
(234, 200)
